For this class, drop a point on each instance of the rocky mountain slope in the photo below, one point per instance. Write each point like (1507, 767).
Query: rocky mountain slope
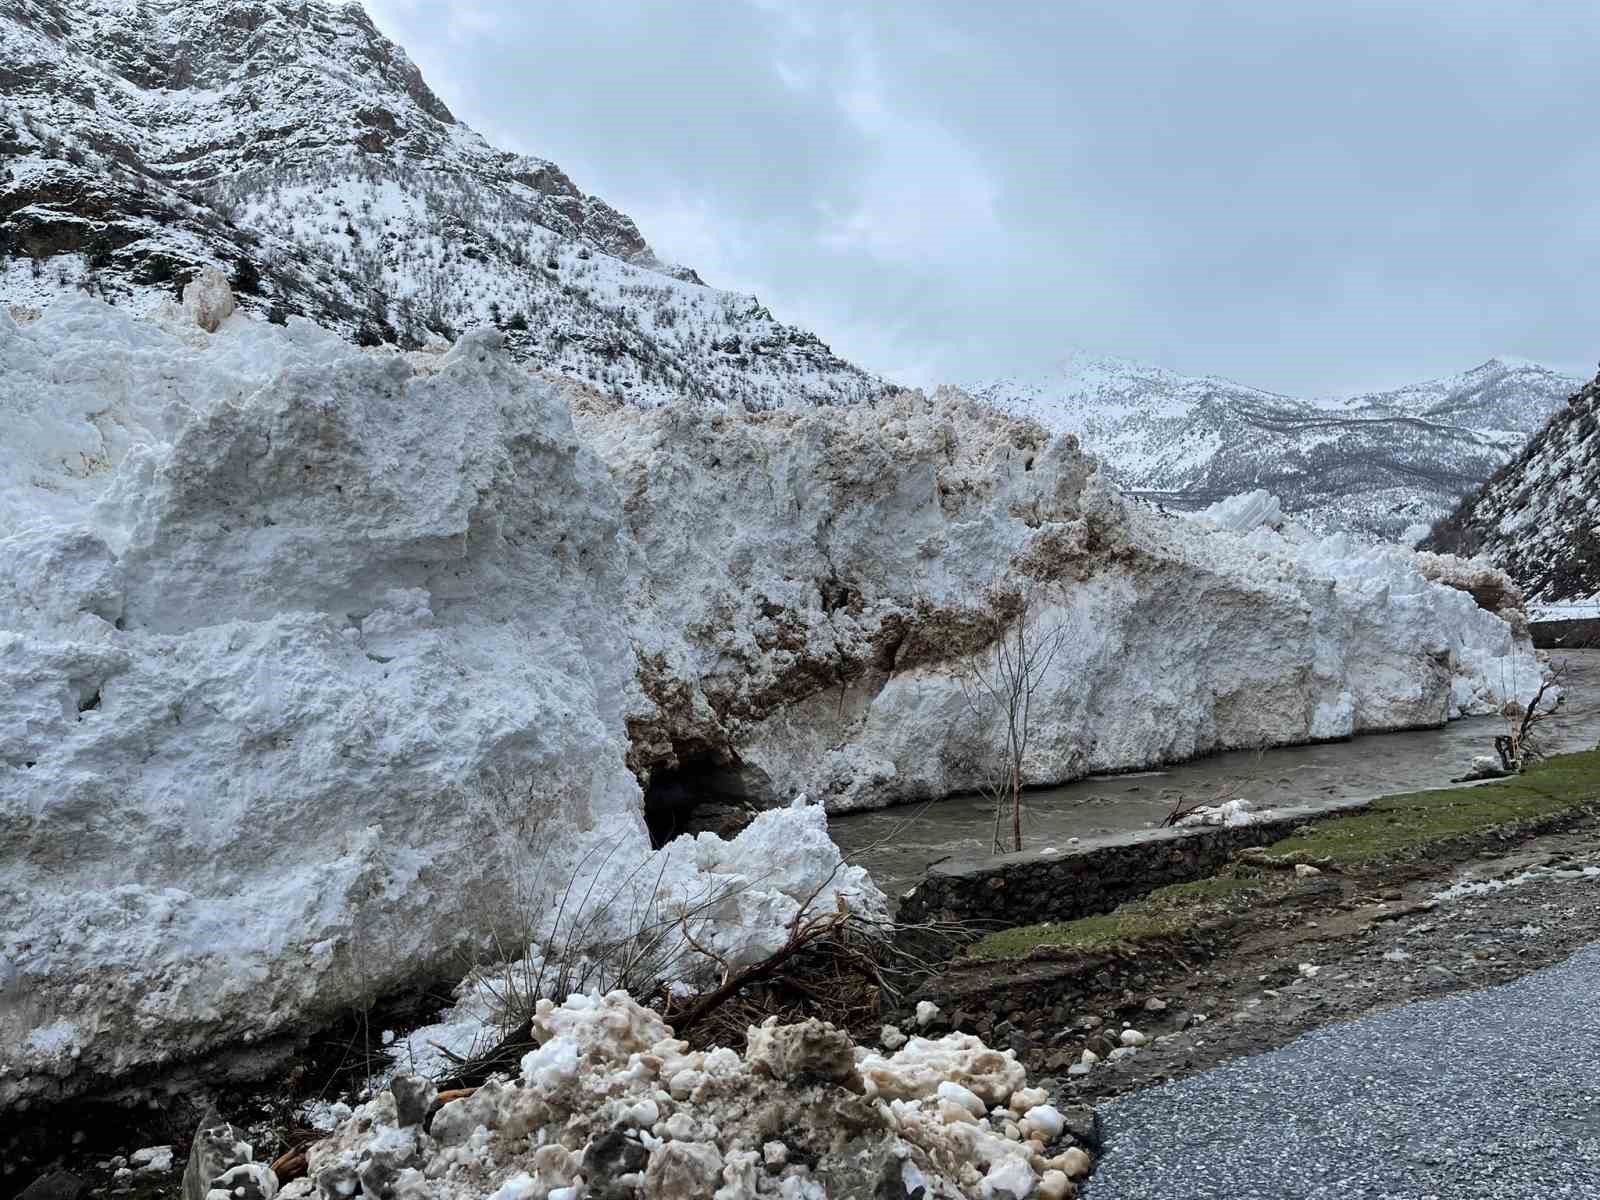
(1538, 517)
(293, 146)
(320, 666)
(1375, 463)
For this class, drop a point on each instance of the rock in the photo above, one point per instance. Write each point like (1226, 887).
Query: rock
(1089, 1056)
(1132, 1037)
(1309, 970)
(1155, 1004)
(1083, 1123)
(927, 1013)
(413, 1097)
(1305, 870)
(219, 1153)
(1122, 1052)
(208, 300)
(54, 1185)
(1078, 1070)
(890, 1037)
(611, 1156)
(153, 1160)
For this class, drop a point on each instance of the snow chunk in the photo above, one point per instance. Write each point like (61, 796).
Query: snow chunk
(915, 1071)
(1241, 514)
(208, 300)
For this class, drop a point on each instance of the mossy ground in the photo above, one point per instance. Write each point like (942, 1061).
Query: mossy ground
(1401, 826)
(1165, 913)
(1391, 828)
(1086, 933)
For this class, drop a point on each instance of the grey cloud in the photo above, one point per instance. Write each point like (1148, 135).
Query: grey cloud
(1313, 197)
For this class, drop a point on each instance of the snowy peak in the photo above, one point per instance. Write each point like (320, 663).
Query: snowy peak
(1376, 463)
(294, 147)
(1503, 394)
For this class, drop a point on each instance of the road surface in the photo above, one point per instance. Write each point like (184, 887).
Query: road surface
(1493, 1093)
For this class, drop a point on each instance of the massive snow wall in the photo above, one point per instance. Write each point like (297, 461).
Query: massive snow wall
(817, 577)
(285, 631)
(317, 665)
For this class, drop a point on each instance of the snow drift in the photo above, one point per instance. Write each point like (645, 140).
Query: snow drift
(319, 666)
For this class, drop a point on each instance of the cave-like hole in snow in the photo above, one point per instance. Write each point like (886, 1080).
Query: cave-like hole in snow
(700, 795)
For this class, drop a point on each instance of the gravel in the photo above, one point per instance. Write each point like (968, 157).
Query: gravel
(1478, 1094)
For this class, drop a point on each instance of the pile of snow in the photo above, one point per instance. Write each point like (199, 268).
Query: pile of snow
(319, 668)
(312, 673)
(1230, 813)
(1242, 513)
(737, 899)
(611, 1104)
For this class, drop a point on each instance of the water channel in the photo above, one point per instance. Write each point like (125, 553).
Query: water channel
(898, 844)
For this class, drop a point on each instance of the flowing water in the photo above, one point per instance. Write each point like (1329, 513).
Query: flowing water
(898, 844)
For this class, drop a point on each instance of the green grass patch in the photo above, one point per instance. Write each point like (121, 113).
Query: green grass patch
(1399, 826)
(1184, 895)
(1164, 913)
(1086, 933)
(1391, 827)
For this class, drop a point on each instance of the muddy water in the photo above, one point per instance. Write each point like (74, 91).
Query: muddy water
(897, 845)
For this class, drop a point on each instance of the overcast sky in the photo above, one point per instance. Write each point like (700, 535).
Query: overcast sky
(1312, 196)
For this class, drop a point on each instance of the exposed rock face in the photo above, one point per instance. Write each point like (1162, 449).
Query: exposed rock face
(1538, 518)
(316, 665)
(293, 147)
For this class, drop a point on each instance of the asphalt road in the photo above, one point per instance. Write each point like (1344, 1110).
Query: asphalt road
(1479, 1094)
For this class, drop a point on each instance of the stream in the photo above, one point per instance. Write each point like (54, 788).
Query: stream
(897, 845)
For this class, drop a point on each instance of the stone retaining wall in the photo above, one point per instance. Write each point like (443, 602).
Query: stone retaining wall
(1095, 875)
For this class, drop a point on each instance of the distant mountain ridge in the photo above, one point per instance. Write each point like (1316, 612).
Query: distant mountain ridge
(1376, 463)
(295, 147)
(1538, 516)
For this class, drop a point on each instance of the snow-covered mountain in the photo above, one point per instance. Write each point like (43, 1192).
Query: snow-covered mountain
(1376, 463)
(1538, 517)
(293, 146)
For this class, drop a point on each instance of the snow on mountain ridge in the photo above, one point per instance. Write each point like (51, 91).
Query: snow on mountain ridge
(295, 147)
(1538, 516)
(1374, 463)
